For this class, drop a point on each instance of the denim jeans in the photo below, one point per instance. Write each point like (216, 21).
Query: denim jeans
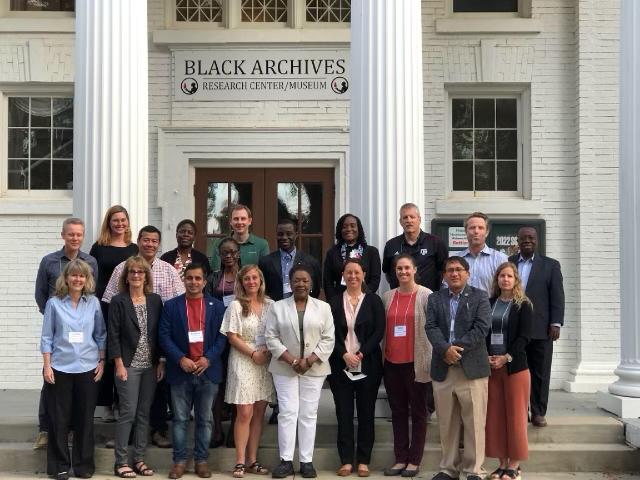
(199, 392)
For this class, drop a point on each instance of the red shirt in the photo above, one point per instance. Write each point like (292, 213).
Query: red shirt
(196, 322)
(400, 316)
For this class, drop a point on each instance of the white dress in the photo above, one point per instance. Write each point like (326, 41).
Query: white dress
(246, 382)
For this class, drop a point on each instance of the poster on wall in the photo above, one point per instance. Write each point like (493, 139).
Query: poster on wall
(260, 74)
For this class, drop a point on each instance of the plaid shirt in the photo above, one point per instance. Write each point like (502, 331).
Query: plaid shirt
(166, 281)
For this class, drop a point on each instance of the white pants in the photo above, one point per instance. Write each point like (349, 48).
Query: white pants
(298, 398)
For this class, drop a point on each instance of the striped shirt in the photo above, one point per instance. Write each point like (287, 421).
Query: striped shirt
(483, 267)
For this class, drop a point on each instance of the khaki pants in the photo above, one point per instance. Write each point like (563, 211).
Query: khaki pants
(461, 401)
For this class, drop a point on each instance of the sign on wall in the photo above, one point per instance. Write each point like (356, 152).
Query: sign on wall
(291, 74)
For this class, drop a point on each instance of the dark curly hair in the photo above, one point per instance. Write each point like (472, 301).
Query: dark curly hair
(361, 238)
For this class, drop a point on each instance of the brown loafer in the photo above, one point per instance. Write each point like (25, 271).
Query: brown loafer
(202, 470)
(177, 470)
(539, 421)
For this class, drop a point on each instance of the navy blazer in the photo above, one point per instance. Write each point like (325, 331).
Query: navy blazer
(174, 338)
(472, 325)
(545, 290)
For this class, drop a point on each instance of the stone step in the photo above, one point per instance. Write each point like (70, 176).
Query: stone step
(568, 429)
(543, 457)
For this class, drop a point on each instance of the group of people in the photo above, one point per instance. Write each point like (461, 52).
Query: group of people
(468, 336)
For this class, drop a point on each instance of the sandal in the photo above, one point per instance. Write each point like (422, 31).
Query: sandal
(257, 469)
(511, 473)
(238, 470)
(496, 474)
(345, 470)
(128, 473)
(143, 469)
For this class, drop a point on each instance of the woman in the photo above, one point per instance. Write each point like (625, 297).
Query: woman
(300, 337)
(510, 382)
(356, 366)
(407, 364)
(73, 347)
(249, 384)
(184, 253)
(134, 315)
(350, 243)
(112, 248)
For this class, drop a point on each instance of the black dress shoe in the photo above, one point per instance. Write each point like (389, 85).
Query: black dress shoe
(283, 470)
(444, 476)
(273, 419)
(393, 472)
(62, 476)
(307, 470)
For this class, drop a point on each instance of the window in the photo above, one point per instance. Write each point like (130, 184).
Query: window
(319, 11)
(475, 6)
(42, 5)
(256, 11)
(40, 149)
(485, 140)
(199, 11)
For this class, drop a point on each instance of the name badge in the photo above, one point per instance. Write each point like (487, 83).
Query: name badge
(286, 288)
(76, 337)
(497, 339)
(260, 340)
(400, 331)
(196, 336)
(343, 282)
(227, 299)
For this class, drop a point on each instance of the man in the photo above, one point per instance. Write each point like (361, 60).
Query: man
(542, 280)
(276, 265)
(483, 260)
(252, 247)
(50, 268)
(458, 321)
(428, 250)
(190, 336)
(167, 284)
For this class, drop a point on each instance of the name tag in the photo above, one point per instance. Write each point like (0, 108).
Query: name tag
(400, 331)
(343, 282)
(227, 299)
(497, 339)
(260, 340)
(76, 337)
(196, 336)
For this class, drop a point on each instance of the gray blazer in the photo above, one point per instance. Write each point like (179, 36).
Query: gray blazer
(472, 325)
(282, 333)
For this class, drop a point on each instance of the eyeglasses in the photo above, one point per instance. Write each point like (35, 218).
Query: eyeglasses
(229, 253)
(136, 273)
(455, 270)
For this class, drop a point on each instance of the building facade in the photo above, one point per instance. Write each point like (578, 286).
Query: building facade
(518, 118)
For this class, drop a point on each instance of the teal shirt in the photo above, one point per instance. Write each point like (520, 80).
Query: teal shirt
(250, 251)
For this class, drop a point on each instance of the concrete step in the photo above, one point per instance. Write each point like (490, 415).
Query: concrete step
(569, 429)
(543, 457)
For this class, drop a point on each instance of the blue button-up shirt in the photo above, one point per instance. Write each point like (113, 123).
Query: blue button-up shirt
(454, 301)
(483, 266)
(524, 269)
(286, 263)
(60, 318)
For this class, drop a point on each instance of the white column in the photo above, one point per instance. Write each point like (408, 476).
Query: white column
(386, 166)
(110, 111)
(624, 394)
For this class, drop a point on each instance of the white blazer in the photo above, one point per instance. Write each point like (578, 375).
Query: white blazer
(283, 333)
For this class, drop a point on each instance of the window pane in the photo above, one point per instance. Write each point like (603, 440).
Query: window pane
(288, 201)
(264, 10)
(62, 175)
(40, 174)
(462, 113)
(312, 246)
(18, 174)
(506, 113)
(63, 112)
(40, 112)
(507, 176)
(42, 5)
(18, 143)
(462, 144)
(311, 207)
(19, 112)
(484, 144)
(485, 5)
(485, 176)
(328, 11)
(199, 11)
(62, 143)
(484, 113)
(507, 144)
(217, 214)
(40, 143)
(463, 176)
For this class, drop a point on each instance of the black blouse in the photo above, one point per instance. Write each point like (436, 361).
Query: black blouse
(108, 258)
(332, 276)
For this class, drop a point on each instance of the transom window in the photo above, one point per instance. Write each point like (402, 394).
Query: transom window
(199, 11)
(264, 11)
(40, 150)
(460, 6)
(484, 144)
(42, 5)
(328, 11)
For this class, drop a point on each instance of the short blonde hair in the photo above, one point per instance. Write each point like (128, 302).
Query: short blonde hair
(75, 266)
(136, 261)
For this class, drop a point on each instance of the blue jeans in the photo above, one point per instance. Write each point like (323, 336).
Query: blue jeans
(199, 392)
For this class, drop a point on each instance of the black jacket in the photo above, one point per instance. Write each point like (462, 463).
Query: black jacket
(518, 335)
(545, 290)
(124, 330)
(369, 328)
(333, 263)
(271, 267)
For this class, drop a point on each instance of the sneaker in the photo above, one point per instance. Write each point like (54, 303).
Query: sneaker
(283, 470)
(161, 440)
(41, 441)
(307, 470)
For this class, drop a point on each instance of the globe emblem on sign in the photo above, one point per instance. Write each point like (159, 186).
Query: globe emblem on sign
(339, 85)
(189, 86)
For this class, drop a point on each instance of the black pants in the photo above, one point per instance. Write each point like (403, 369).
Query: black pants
(365, 392)
(107, 394)
(158, 413)
(539, 355)
(43, 415)
(72, 397)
